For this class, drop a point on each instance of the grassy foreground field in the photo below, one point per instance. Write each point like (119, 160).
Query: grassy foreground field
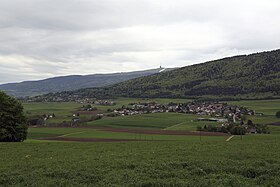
(246, 162)
(145, 160)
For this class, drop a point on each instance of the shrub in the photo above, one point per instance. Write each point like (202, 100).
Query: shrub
(211, 128)
(238, 130)
(112, 115)
(222, 129)
(262, 129)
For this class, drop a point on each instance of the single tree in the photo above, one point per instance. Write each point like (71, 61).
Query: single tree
(13, 127)
(278, 114)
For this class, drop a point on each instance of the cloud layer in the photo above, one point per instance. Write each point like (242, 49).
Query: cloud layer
(45, 38)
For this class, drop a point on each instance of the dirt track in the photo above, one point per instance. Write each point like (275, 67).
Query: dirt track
(90, 139)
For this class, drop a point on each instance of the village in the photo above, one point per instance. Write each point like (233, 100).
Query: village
(217, 111)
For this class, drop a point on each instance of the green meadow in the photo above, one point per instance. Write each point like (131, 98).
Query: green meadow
(151, 121)
(156, 160)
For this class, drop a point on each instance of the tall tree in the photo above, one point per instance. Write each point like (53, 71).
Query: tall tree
(13, 127)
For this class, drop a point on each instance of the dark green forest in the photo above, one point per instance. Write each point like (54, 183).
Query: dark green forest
(255, 76)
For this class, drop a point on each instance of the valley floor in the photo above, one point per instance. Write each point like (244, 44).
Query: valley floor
(144, 150)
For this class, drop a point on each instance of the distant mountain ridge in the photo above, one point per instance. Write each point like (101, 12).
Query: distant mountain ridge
(254, 76)
(72, 82)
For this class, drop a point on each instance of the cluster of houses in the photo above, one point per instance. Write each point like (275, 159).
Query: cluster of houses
(104, 102)
(216, 110)
(40, 120)
(146, 108)
(48, 116)
(96, 102)
(221, 120)
(71, 98)
(219, 110)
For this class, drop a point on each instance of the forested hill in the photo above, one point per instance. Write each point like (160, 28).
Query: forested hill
(247, 77)
(72, 82)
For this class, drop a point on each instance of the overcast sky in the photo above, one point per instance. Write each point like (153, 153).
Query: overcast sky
(46, 38)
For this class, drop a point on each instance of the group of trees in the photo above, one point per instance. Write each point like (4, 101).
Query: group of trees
(231, 128)
(89, 107)
(13, 125)
(237, 129)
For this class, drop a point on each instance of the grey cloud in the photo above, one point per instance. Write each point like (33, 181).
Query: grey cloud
(56, 37)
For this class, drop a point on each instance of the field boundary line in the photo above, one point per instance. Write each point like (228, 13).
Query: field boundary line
(173, 126)
(71, 134)
(230, 138)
